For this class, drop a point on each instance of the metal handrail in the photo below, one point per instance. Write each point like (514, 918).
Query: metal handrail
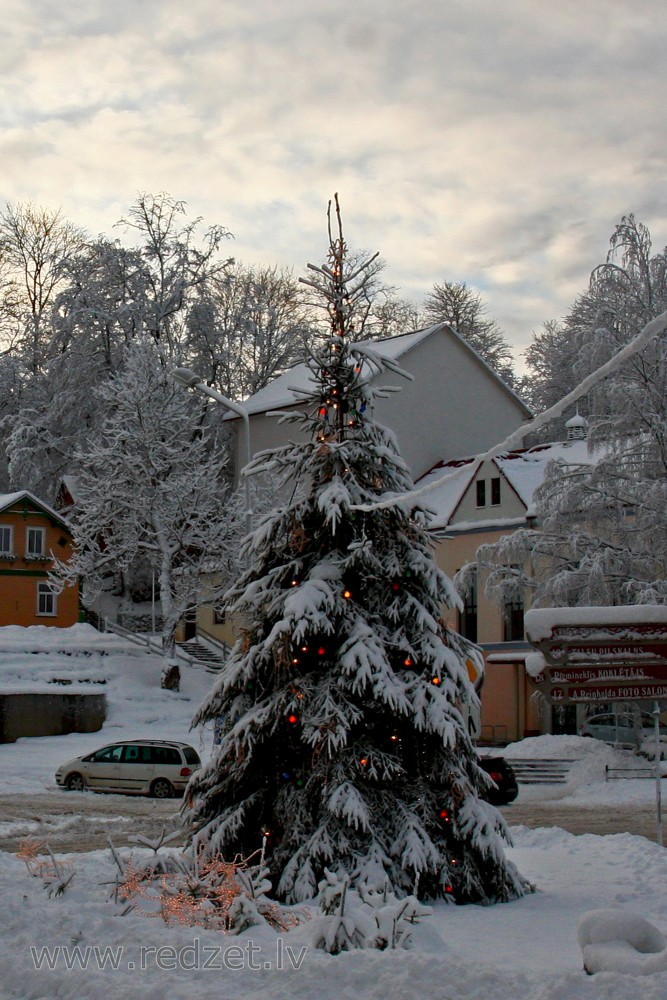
(142, 640)
(224, 647)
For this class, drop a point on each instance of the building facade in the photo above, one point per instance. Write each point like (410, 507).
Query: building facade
(474, 503)
(32, 535)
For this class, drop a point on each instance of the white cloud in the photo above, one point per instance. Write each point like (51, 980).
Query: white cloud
(492, 142)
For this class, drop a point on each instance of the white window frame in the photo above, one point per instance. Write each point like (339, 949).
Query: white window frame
(46, 591)
(35, 555)
(7, 550)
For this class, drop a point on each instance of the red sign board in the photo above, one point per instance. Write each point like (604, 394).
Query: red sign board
(597, 662)
(618, 692)
(561, 652)
(611, 673)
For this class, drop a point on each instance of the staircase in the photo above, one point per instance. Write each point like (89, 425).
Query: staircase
(201, 654)
(212, 655)
(542, 771)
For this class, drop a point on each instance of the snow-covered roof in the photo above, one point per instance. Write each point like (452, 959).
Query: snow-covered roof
(443, 500)
(9, 499)
(280, 392)
(525, 469)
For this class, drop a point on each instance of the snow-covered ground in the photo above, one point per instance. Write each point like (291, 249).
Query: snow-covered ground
(525, 950)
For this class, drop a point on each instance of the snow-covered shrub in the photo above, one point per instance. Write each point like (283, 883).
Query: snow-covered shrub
(363, 918)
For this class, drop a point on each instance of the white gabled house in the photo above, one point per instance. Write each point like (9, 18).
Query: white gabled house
(454, 403)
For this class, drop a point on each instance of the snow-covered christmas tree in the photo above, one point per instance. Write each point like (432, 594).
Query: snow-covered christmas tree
(344, 744)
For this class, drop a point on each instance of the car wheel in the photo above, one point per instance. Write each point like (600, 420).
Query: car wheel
(162, 789)
(75, 783)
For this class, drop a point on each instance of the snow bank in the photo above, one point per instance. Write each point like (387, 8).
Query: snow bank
(137, 707)
(523, 950)
(556, 747)
(621, 941)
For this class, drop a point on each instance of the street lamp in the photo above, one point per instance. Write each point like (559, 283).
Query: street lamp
(191, 381)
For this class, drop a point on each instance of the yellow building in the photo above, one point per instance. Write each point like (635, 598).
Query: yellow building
(477, 503)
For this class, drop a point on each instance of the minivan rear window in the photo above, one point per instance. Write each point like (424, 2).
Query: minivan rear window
(191, 755)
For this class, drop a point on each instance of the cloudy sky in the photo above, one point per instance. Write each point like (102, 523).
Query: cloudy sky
(491, 141)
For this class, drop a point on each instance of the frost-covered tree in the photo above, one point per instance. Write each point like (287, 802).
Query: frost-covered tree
(34, 244)
(106, 295)
(601, 534)
(454, 302)
(247, 326)
(551, 368)
(149, 488)
(343, 740)
(178, 262)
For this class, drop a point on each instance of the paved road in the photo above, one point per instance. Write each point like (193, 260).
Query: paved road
(84, 821)
(578, 819)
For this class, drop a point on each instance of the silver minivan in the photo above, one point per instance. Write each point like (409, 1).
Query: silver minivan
(161, 768)
(621, 729)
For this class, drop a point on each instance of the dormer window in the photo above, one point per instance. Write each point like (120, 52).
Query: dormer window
(495, 492)
(481, 492)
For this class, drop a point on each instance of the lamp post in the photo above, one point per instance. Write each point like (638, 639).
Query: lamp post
(191, 381)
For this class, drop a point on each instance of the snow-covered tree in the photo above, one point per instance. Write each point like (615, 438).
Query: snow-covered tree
(178, 262)
(150, 487)
(454, 302)
(246, 327)
(551, 362)
(34, 243)
(601, 533)
(105, 296)
(343, 740)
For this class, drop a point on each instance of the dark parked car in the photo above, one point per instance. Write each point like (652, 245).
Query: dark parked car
(501, 773)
